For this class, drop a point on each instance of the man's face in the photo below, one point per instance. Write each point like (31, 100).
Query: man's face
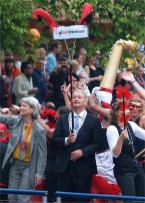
(40, 65)
(64, 65)
(28, 70)
(58, 49)
(79, 100)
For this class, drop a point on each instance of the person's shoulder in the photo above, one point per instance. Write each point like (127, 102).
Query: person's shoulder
(111, 128)
(92, 116)
(38, 126)
(142, 118)
(20, 77)
(64, 116)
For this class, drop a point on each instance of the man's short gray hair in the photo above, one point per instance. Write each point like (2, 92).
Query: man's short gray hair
(33, 103)
(85, 95)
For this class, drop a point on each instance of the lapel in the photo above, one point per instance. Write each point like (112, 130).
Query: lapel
(33, 137)
(16, 133)
(82, 129)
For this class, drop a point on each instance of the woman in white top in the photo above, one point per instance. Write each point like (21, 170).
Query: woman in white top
(127, 170)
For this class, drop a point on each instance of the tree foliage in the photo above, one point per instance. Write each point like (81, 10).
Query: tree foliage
(125, 20)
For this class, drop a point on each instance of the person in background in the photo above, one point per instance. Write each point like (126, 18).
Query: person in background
(9, 73)
(130, 78)
(26, 148)
(56, 49)
(127, 170)
(40, 81)
(98, 58)
(83, 53)
(41, 53)
(4, 139)
(139, 76)
(49, 116)
(137, 116)
(23, 83)
(93, 73)
(57, 79)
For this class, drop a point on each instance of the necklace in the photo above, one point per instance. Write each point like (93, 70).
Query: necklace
(22, 142)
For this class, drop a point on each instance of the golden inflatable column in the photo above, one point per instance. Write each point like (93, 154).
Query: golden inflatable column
(104, 92)
(114, 61)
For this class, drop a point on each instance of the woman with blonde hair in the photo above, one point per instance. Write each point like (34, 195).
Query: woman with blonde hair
(136, 115)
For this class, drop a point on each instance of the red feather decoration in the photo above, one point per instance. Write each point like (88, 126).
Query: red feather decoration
(123, 94)
(87, 12)
(50, 114)
(44, 14)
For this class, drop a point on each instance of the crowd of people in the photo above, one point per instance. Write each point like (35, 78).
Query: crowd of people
(55, 133)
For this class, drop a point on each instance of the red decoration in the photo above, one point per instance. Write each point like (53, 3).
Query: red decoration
(44, 14)
(87, 11)
(3, 130)
(50, 114)
(101, 186)
(123, 94)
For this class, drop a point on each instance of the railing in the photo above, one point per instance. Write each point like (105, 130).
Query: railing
(59, 195)
(26, 192)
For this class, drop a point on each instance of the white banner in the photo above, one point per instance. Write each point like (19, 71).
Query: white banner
(69, 32)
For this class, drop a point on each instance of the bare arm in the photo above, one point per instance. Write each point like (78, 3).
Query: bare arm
(64, 91)
(49, 132)
(130, 77)
(97, 108)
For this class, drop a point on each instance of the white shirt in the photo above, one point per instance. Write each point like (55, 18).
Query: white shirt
(82, 117)
(113, 135)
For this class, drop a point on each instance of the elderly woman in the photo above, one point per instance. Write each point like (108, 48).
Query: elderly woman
(127, 170)
(27, 149)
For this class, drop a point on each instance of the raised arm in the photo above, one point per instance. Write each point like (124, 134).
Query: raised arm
(130, 77)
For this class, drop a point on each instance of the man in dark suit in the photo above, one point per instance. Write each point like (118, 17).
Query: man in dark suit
(75, 159)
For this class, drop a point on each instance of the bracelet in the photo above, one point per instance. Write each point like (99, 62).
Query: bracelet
(133, 81)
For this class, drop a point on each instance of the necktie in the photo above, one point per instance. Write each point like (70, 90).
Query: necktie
(76, 123)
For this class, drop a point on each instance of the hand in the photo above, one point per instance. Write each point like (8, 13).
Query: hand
(76, 154)
(64, 88)
(33, 91)
(15, 109)
(38, 181)
(49, 134)
(71, 138)
(6, 111)
(124, 134)
(99, 78)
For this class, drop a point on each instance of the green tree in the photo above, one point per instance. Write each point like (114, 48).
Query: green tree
(125, 18)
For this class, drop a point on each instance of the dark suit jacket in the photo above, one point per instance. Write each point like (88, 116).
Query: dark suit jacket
(88, 140)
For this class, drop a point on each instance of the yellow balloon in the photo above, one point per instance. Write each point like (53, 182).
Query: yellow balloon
(35, 36)
(35, 33)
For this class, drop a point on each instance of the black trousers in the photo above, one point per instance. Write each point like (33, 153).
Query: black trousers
(50, 183)
(131, 183)
(70, 181)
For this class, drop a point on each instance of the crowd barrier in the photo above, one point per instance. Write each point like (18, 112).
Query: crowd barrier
(59, 195)
(42, 193)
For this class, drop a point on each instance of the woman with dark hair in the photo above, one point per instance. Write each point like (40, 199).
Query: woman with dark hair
(95, 76)
(27, 149)
(127, 170)
(9, 73)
